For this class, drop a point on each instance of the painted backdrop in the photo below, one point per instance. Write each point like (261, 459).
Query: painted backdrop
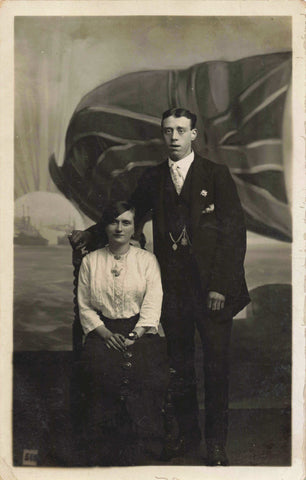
(63, 65)
(71, 72)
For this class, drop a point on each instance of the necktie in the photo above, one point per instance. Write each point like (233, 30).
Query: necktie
(177, 178)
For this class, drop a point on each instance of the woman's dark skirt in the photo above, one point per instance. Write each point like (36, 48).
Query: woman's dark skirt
(122, 396)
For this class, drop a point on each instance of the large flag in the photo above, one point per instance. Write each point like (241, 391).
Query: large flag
(114, 134)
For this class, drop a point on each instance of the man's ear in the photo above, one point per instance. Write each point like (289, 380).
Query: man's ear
(194, 134)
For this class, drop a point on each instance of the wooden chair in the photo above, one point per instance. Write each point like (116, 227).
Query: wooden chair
(77, 330)
(77, 397)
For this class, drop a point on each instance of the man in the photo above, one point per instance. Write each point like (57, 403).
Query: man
(199, 240)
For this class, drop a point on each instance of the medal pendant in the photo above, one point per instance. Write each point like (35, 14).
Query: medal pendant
(184, 242)
(174, 246)
(115, 272)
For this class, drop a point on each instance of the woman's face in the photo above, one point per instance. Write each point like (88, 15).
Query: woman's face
(120, 231)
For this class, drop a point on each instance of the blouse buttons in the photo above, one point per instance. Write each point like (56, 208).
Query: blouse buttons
(117, 257)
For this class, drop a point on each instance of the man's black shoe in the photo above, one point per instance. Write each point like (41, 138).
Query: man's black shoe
(216, 456)
(179, 448)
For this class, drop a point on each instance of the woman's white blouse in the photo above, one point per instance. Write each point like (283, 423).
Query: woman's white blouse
(120, 288)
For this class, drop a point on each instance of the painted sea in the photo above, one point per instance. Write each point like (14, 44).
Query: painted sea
(43, 297)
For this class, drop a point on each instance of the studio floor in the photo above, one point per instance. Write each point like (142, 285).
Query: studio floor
(257, 436)
(260, 395)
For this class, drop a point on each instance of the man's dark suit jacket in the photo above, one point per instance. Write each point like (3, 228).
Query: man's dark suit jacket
(217, 224)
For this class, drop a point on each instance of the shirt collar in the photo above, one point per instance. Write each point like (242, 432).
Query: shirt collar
(183, 164)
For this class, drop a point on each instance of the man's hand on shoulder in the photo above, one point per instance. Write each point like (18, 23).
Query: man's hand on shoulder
(80, 238)
(215, 301)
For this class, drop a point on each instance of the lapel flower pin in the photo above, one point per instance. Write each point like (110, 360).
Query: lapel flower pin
(203, 193)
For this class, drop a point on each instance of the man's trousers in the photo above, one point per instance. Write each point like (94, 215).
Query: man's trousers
(184, 310)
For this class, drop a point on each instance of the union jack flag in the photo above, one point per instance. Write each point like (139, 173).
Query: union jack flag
(114, 133)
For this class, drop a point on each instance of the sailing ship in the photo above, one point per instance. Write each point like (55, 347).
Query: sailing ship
(26, 233)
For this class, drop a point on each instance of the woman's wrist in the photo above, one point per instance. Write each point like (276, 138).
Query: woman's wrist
(104, 332)
(133, 336)
(139, 331)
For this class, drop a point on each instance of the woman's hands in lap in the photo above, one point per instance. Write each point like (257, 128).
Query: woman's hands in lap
(116, 341)
(119, 342)
(129, 342)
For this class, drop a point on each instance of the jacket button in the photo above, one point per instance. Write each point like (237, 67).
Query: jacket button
(127, 365)
(127, 354)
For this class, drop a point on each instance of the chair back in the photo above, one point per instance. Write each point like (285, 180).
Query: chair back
(77, 330)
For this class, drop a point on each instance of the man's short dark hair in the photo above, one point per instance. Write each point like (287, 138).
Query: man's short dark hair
(180, 112)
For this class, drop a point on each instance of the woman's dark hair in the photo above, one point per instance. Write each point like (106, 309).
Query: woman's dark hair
(113, 210)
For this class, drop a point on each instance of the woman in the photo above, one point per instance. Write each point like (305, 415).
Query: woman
(120, 297)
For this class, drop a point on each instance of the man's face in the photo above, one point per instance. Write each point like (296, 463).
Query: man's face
(178, 136)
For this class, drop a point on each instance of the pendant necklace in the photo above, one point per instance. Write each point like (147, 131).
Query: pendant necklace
(116, 271)
(183, 238)
(117, 268)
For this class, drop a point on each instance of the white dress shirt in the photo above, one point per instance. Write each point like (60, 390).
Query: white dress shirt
(183, 165)
(120, 288)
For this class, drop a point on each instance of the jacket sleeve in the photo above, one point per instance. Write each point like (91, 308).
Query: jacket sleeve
(227, 271)
(142, 197)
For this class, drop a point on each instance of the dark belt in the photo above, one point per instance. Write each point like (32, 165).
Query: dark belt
(128, 321)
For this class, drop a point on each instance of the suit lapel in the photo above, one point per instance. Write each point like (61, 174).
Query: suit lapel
(201, 179)
(160, 206)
